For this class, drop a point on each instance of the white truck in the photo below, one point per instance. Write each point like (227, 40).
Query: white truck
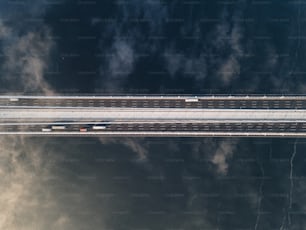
(46, 130)
(98, 127)
(194, 99)
(58, 127)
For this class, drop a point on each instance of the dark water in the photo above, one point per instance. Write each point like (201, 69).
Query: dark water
(178, 47)
(149, 47)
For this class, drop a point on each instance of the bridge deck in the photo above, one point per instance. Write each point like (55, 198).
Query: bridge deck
(154, 115)
(179, 114)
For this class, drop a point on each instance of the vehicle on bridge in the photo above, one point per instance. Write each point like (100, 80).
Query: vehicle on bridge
(98, 127)
(191, 100)
(83, 129)
(58, 127)
(46, 130)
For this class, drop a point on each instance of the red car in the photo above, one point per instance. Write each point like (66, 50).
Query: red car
(83, 129)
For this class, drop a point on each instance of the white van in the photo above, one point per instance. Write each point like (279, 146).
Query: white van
(46, 130)
(191, 100)
(98, 127)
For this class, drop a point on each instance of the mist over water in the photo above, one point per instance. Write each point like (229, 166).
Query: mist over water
(148, 47)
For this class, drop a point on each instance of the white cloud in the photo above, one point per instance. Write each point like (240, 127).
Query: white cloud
(228, 35)
(119, 64)
(122, 58)
(173, 61)
(153, 12)
(137, 145)
(218, 152)
(223, 152)
(25, 48)
(26, 59)
(21, 173)
(126, 42)
(4, 31)
(229, 69)
(219, 53)
(178, 63)
(37, 192)
(62, 222)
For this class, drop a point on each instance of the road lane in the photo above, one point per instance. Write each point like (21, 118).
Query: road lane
(288, 102)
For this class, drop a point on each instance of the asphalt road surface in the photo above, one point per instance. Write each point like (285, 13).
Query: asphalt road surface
(161, 103)
(169, 127)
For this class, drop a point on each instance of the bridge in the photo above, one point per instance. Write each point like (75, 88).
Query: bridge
(154, 115)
